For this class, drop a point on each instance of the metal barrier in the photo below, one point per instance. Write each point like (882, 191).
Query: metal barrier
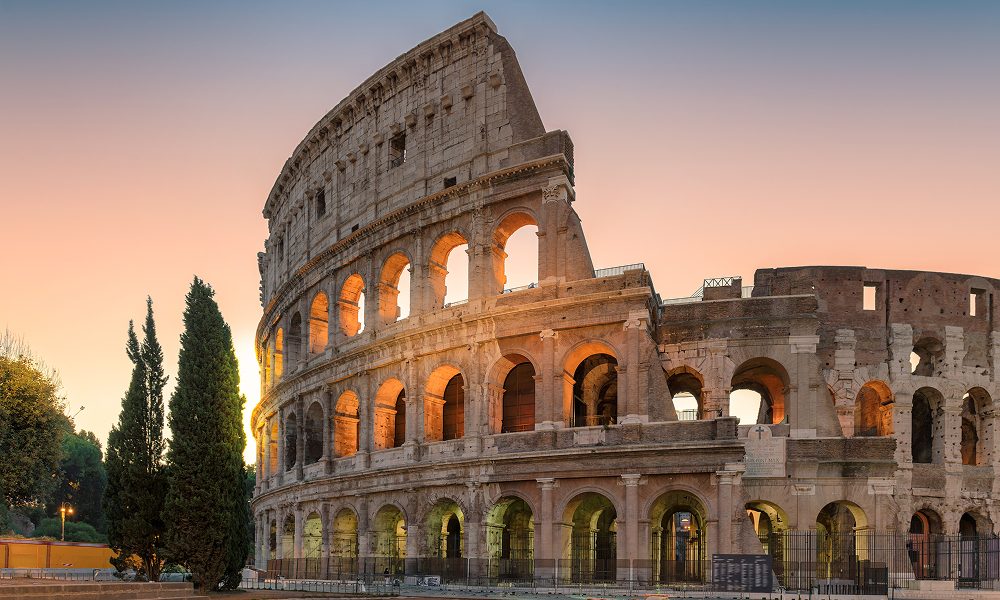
(619, 270)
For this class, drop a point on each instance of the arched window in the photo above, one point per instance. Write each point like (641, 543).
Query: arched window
(387, 416)
(351, 305)
(973, 438)
(394, 289)
(453, 424)
(519, 399)
(685, 391)
(444, 405)
(314, 433)
(312, 536)
(346, 425)
(279, 351)
(926, 433)
(294, 340)
(595, 391)
(873, 410)
(516, 236)
(927, 357)
(758, 386)
(318, 323)
(291, 441)
(448, 271)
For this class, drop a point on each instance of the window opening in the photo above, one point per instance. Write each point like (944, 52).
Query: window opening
(869, 297)
(397, 150)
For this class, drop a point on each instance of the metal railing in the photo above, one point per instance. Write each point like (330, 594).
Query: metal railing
(456, 303)
(689, 414)
(720, 282)
(619, 270)
(519, 288)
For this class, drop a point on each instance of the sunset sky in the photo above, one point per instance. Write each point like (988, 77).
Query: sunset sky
(138, 142)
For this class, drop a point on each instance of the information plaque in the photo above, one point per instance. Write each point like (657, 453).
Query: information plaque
(742, 572)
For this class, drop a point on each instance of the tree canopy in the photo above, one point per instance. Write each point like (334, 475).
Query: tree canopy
(31, 417)
(206, 503)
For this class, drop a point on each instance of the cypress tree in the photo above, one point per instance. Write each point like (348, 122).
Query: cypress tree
(133, 500)
(205, 503)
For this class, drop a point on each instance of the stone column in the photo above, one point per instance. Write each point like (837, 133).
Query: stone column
(299, 526)
(279, 532)
(280, 475)
(324, 515)
(258, 547)
(631, 482)
(549, 400)
(544, 540)
(259, 467)
(332, 319)
(803, 387)
(328, 412)
(628, 407)
(366, 414)
(726, 479)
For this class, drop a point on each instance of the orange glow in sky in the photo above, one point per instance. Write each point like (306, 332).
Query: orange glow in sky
(138, 143)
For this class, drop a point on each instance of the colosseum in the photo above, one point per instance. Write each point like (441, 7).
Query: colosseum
(579, 429)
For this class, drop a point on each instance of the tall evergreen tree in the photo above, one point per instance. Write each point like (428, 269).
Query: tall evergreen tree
(133, 499)
(208, 512)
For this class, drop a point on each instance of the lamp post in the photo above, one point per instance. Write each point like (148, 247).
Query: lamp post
(64, 509)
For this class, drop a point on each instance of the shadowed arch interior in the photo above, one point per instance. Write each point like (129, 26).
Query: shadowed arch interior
(390, 289)
(351, 304)
(319, 316)
(346, 425)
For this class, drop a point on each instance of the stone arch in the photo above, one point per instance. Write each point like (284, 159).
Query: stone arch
(351, 304)
(590, 384)
(510, 538)
(387, 415)
(444, 404)
(389, 287)
(291, 440)
(873, 408)
(685, 385)
(511, 222)
(279, 354)
(769, 522)
(273, 440)
(926, 430)
(312, 537)
(344, 543)
(515, 374)
(346, 424)
(389, 539)
(294, 340)
(841, 540)
(314, 433)
(679, 542)
(319, 317)
(924, 524)
(977, 429)
(437, 271)
(767, 378)
(927, 357)
(288, 537)
(593, 546)
(444, 526)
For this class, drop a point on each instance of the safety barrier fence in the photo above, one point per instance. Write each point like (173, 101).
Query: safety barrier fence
(857, 562)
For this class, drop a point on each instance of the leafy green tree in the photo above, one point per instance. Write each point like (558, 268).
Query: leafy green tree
(206, 498)
(31, 415)
(133, 501)
(82, 479)
(76, 531)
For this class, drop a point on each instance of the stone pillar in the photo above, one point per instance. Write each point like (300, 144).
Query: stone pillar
(492, 408)
(332, 319)
(258, 546)
(475, 400)
(279, 528)
(329, 409)
(259, 467)
(544, 540)
(631, 481)
(366, 432)
(803, 388)
(326, 536)
(629, 408)
(280, 475)
(726, 511)
(299, 527)
(549, 402)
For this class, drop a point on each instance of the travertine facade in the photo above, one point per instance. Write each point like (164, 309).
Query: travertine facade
(540, 423)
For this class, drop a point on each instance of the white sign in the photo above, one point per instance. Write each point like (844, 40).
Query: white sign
(765, 454)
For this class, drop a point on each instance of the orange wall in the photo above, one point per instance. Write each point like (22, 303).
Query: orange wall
(41, 554)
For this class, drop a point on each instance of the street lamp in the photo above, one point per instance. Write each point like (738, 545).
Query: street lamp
(64, 509)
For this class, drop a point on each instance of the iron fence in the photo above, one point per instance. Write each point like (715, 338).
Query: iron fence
(619, 270)
(852, 563)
